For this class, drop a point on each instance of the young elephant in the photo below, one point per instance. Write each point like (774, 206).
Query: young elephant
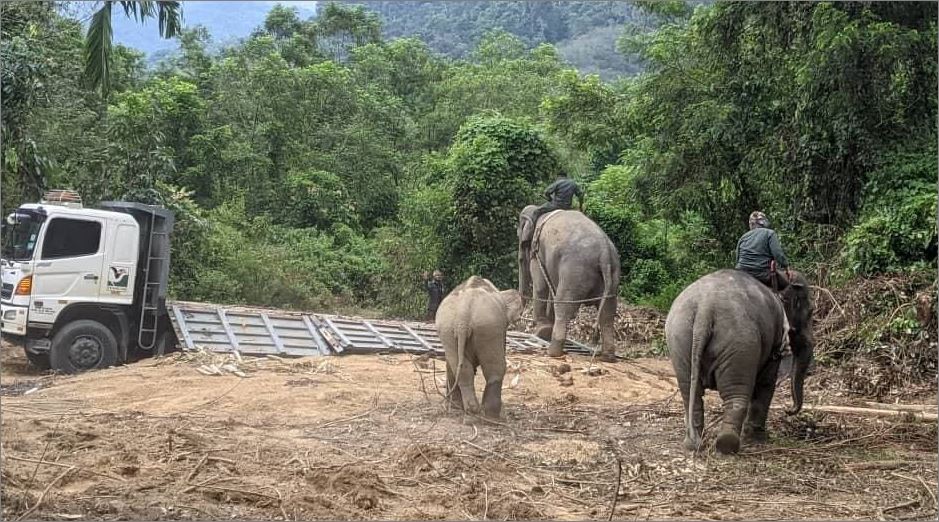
(725, 332)
(472, 322)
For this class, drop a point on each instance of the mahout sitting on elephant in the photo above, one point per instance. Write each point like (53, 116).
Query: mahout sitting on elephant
(726, 332)
(569, 261)
(472, 322)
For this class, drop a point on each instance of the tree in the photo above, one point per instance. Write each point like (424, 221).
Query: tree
(495, 167)
(99, 36)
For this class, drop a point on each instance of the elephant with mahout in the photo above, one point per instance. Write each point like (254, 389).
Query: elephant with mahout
(472, 322)
(569, 262)
(726, 332)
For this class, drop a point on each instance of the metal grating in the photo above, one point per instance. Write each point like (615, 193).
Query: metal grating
(248, 332)
(272, 332)
(367, 336)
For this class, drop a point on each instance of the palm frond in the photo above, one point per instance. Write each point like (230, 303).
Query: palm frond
(170, 19)
(100, 34)
(98, 49)
(140, 10)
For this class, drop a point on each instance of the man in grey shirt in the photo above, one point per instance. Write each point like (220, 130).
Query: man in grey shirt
(560, 195)
(758, 249)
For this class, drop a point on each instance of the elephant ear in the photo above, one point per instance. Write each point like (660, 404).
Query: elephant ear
(513, 304)
(525, 227)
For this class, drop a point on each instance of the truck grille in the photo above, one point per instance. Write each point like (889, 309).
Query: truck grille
(7, 291)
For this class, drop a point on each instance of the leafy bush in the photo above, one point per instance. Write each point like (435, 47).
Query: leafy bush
(253, 261)
(897, 226)
(493, 169)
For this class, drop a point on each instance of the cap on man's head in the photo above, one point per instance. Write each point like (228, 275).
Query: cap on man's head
(758, 219)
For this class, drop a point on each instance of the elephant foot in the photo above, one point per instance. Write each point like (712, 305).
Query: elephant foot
(608, 357)
(754, 436)
(727, 443)
(556, 350)
(495, 415)
(690, 445)
(471, 407)
(544, 332)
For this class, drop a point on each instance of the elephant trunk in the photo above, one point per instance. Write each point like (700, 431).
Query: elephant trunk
(802, 358)
(524, 275)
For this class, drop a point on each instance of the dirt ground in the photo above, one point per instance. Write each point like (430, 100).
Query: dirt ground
(368, 437)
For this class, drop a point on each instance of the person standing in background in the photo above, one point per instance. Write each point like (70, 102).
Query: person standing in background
(435, 293)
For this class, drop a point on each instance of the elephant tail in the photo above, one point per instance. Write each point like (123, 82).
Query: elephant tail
(462, 334)
(700, 336)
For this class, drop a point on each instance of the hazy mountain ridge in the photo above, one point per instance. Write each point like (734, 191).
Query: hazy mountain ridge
(584, 32)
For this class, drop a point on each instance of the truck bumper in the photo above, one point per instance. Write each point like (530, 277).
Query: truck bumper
(13, 320)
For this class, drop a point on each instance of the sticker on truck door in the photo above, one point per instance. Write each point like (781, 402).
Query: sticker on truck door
(118, 277)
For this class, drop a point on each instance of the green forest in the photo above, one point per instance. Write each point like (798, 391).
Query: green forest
(323, 165)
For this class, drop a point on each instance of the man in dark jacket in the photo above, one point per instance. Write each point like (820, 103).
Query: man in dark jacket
(560, 195)
(435, 293)
(759, 249)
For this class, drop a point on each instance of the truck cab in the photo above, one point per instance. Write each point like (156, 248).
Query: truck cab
(85, 288)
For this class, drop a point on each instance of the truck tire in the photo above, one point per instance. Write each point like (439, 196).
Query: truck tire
(38, 360)
(81, 346)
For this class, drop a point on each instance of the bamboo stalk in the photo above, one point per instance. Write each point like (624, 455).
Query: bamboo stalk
(877, 412)
(922, 408)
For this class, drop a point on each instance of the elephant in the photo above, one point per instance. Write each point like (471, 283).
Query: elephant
(570, 262)
(472, 322)
(726, 332)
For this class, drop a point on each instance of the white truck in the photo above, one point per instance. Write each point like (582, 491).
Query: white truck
(85, 288)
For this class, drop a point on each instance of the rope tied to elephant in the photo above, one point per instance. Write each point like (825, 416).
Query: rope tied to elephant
(544, 273)
(578, 301)
(535, 243)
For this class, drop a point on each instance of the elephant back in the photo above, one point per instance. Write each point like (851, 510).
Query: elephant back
(571, 224)
(733, 294)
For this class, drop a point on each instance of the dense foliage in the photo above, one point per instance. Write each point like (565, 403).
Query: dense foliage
(320, 164)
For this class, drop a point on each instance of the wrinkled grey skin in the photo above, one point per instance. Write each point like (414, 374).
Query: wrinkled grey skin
(581, 263)
(722, 331)
(472, 322)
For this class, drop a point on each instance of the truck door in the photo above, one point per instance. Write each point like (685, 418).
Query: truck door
(69, 266)
(120, 262)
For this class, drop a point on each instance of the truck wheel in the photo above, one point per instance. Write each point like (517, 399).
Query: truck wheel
(39, 360)
(82, 346)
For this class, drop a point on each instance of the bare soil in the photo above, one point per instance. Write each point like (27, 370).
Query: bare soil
(369, 437)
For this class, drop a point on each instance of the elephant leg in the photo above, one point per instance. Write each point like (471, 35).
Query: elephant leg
(493, 367)
(754, 431)
(454, 395)
(735, 412)
(465, 383)
(697, 422)
(607, 335)
(563, 313)
(540, 308)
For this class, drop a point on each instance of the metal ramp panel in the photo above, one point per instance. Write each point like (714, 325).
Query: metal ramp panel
(525, 342)
(367, 336)
(261, 332)
(252, 332)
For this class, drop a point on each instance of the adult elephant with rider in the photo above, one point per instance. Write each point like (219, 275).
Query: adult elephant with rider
(568, 262)
(726, 332)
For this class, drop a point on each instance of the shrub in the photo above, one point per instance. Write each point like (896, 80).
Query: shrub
(897, 226)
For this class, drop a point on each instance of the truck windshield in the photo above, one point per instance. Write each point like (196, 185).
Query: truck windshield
(20, 233)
